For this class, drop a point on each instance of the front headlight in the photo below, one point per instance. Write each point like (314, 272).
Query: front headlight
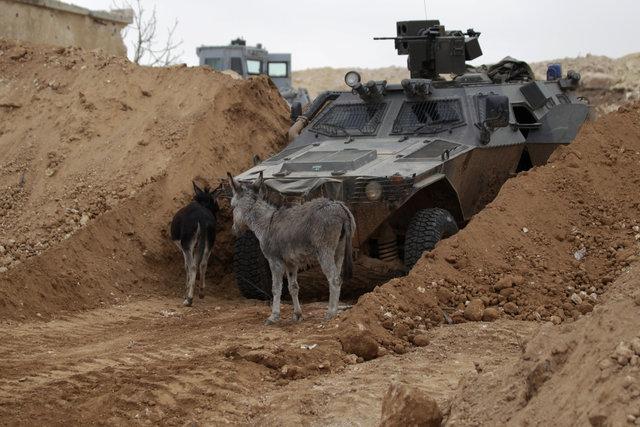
(373, 190)
(352, 78)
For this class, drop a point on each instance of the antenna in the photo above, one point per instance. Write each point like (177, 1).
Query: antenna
(424, 2)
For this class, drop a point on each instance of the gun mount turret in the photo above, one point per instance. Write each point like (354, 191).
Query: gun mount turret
(432, 50)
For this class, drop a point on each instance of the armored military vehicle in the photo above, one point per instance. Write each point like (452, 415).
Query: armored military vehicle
(415, 161)
(252, 61)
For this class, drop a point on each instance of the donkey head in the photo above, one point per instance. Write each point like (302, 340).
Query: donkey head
(244, 199)
(206, 197)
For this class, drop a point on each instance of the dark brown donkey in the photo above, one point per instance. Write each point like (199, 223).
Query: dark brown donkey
(193, 230)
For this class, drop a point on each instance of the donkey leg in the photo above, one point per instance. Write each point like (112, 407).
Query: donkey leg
(191, 263)
(328, 266)
(292, 279)
(277, 272)
(193, 271)
(339, 257)
(203, 269)
(188, 261)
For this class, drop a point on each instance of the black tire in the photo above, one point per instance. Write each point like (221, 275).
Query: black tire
(426, 229)
(251, 268)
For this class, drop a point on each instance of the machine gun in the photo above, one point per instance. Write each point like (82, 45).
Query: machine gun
(432, 50)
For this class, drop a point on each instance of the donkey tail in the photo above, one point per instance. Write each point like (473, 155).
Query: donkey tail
(202, 242)
(348, 231)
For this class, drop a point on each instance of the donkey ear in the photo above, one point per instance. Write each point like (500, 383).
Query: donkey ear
(217, 190)
(232, 182)
(257, 185)
(196, 188)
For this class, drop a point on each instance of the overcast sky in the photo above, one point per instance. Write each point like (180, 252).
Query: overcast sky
(339, 33)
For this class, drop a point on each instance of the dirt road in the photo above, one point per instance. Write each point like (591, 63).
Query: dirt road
(152, 361)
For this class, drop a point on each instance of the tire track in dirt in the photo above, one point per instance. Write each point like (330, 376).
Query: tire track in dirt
(154, 361)
(147, 353)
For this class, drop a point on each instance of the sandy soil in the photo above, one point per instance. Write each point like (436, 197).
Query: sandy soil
(566, 376)
(152, 361)
(92, 327)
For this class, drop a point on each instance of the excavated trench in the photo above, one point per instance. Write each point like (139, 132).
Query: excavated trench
(93, 327)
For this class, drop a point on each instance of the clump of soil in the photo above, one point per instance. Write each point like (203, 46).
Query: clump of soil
(408, 406)
(546, 249)
(96, 154)
(586, 373)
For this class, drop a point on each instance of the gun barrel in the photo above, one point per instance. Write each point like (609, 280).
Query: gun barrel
(469, 33)
(405, 38)
(433, 50)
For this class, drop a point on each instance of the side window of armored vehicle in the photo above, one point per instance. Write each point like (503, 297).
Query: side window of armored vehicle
(425, 117)
(525, 119)
(350, 120)
(278, 69)
(523, 114)
(236, 65)
(253, 66)
(215, 63)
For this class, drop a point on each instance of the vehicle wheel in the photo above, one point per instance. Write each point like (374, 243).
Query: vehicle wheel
(251, 268)
(426, 229)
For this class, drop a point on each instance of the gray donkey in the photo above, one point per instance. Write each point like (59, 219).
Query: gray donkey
(292, 237)
(193, 230)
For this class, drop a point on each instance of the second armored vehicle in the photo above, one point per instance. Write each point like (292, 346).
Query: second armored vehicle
(251, 61)
(415, 161)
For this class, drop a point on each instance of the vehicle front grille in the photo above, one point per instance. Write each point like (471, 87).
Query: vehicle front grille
(394, 189)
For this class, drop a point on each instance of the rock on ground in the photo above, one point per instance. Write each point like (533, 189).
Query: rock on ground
(474, 310)
(406, 406)
(420, 340)
(359, 343)
(490, 314)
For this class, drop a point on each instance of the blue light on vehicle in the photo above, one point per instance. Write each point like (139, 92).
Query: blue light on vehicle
(554, 72)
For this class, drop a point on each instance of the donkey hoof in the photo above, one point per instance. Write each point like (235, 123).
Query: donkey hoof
(272, 320)
(187, 302)
(329, 316)
(201, 296)
(297, 317)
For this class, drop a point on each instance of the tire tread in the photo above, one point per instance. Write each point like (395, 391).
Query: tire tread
(251, 269)
(426, 229)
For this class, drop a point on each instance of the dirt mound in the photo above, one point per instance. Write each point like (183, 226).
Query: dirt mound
(545, 249)
(96, 154)
(317, 80)
(585, 373)
(607, 83)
